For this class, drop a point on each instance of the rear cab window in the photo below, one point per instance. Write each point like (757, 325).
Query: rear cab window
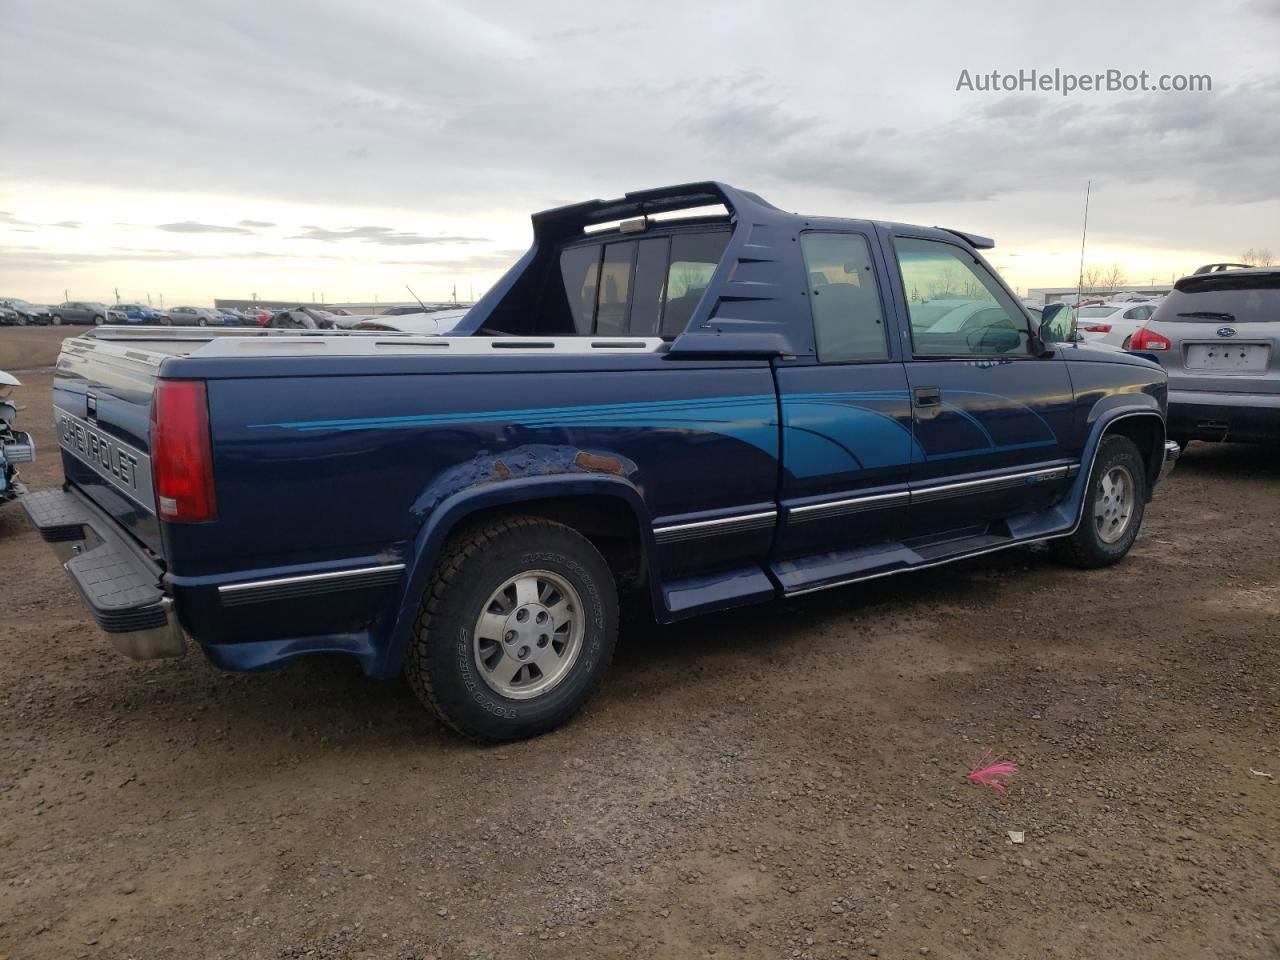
(645, 286)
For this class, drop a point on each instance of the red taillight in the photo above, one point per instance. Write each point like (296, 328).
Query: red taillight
(1145, 339)
(181, 452)
(1097, 328)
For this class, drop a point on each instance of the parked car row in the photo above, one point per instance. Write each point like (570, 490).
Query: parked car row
(18, 312)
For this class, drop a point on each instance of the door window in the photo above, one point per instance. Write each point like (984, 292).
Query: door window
(847, 318)
(955, 306)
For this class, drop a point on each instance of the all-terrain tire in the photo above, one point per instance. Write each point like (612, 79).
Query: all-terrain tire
(443, 665)
(1100, 543)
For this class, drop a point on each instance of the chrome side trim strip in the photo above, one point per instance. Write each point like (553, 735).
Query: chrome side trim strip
(282, 588)
(851, 505)
(839, 508)
(701, 528)
(946, 490)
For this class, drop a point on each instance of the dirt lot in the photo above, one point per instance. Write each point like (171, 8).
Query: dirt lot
(786, 781)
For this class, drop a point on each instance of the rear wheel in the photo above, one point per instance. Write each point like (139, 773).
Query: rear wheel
(56, 320)
(98, 321)
(516, 630)
(1113, 507)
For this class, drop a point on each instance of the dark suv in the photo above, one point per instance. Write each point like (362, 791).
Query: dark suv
(1217, 335)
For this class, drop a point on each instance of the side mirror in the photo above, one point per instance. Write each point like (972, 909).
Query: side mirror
(1057, 325)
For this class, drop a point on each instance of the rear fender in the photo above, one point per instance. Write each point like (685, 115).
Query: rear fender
(444, 514)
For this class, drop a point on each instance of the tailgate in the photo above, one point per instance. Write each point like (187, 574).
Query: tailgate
(102, 409)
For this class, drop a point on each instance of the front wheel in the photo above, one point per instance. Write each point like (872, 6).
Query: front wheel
(1113, 507)
(516, 630)
(98, 321)
(56, 320)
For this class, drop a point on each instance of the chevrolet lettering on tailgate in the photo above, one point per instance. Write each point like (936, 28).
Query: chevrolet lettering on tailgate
(119, 464)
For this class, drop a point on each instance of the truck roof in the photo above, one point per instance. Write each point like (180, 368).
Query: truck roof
(750, 305)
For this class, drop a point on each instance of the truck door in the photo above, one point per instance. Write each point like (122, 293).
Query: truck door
(992, 422)
(846, 415)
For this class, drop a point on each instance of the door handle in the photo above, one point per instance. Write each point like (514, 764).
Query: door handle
(927, 396)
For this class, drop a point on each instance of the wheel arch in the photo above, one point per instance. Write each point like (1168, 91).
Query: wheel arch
(608, 510)
(1147, 431)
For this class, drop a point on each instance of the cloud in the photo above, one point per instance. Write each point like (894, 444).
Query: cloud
(496, 261)
(191, 226)
(255, 223)
(42, 255)
(1218, 148)
(388, 236)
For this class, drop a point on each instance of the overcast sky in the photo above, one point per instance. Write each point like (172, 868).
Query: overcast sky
(345, 148)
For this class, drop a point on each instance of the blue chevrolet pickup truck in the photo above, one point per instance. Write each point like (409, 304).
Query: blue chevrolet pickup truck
(702, 410)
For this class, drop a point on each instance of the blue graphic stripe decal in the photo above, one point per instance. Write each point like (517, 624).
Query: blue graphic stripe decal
(538, 414)
(827, 432)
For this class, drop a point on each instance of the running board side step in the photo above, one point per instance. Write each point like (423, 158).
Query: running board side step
(839, 567)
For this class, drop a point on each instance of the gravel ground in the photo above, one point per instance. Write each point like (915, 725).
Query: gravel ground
(785, 781)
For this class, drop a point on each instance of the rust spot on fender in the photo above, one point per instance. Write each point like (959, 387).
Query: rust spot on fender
(500, 470)
(594, 463)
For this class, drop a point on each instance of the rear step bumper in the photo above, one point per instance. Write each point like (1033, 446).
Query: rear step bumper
(118, 582)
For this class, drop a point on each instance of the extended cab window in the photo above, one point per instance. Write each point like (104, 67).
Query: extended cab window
(956, 307)
(644, 287)
(844, 298)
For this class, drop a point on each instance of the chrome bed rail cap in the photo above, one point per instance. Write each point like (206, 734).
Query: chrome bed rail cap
(364, 343)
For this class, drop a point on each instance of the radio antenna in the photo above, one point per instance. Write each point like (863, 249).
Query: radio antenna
(1084, 232)
(415, 296)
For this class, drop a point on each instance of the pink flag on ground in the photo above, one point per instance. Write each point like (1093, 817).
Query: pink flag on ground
(994, 775)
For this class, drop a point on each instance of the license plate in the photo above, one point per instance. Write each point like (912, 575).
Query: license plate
(1227, 357)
